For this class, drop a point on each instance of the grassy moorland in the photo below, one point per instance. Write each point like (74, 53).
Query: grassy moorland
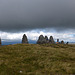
(34, 59)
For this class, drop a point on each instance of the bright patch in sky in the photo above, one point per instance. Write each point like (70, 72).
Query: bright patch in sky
(34, 34)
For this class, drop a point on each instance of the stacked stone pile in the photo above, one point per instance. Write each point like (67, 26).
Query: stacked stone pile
(62, 42)
(41, 39)
(51, 40)
(24, 39)
(44, 40)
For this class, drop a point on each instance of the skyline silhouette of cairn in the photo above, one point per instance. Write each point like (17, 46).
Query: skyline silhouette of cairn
(41, 40)
(44, 40)
(24, 39)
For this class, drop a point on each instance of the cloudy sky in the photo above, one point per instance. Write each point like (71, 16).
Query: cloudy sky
(36, 17)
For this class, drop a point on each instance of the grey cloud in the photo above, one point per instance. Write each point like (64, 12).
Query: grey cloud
(23, 15)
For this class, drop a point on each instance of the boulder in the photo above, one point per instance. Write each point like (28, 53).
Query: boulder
(24, 39)
(51, 40)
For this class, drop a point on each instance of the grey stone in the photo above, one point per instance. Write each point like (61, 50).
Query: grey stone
(41, 40)
(24, 39)
(62, 42)
(46, 38)
(51, 40)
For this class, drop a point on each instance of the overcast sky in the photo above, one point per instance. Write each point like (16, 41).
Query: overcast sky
(47, 16)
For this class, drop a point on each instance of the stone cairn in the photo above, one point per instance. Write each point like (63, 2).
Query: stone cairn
(24, 39)
(0, 42)
(51, 40)
(44, 40)
(62, 42)
(57, 41)
(41, 40)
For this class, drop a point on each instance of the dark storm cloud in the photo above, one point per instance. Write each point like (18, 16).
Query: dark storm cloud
(23, 15)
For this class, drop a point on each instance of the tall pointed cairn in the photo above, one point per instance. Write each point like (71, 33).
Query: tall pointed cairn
(24, 39)
(51, 40)
(41, 40)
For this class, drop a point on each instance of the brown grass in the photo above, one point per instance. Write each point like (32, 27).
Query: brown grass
(34, 59)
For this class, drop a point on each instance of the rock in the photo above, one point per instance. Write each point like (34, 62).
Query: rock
(51, 40)
(0, 42)
(24, 39)
(62, 42)
(46, 38)
(41, 40)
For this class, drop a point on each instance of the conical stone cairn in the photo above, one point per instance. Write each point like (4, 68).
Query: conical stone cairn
(41, 40)
(62, 42)
(51, 40)
(24, 39)
(46, 38)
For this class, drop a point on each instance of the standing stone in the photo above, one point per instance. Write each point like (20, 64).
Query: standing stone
(51, 40)
(62, 42)
(41, 40)
(24, 39)
(46, 38)
(0, 42)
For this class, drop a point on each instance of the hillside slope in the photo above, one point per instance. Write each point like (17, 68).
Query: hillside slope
(34, 59)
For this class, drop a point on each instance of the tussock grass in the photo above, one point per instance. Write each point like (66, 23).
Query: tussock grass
(34, 59)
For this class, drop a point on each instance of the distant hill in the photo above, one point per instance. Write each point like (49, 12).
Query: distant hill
(9, 42)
